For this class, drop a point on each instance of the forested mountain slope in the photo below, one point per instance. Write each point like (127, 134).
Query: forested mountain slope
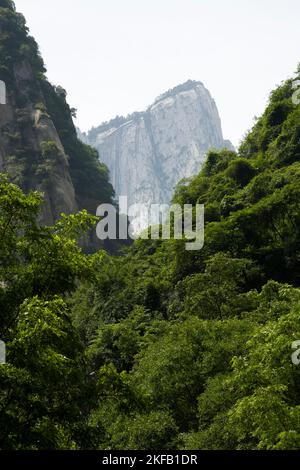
(194, 348)
(148, 152)
(38, 141)
(160, 348)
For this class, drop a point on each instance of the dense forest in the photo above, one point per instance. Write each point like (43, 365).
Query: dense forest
(160, 348)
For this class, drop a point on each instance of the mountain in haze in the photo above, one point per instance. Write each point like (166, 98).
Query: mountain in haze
(39, 147)
(148, 152)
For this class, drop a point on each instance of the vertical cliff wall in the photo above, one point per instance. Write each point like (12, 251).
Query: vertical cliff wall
(148, 153)
(39, 147)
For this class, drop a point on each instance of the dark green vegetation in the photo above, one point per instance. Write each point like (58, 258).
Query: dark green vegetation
(161, 348)
(39, 145)
(90, 177)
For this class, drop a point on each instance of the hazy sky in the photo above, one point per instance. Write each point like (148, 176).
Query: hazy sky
(116, 56)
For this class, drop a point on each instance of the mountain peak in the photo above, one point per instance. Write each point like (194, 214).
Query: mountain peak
(148, 152)
(186, 86)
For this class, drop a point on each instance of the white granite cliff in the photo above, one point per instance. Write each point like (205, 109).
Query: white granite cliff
(148, 153)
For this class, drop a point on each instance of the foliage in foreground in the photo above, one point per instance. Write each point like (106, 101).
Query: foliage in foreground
(161, 348)
(200, 342)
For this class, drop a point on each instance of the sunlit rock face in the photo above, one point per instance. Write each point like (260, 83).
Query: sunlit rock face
(31, 151)
(148, 153)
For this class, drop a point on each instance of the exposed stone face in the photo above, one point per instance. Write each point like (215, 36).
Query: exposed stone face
(39, 147)
(82, 136)
(148, 153)
(25, 132)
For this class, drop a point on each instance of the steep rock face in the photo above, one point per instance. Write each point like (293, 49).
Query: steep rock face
(149, 152)
(39, 147)
(30, 148)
